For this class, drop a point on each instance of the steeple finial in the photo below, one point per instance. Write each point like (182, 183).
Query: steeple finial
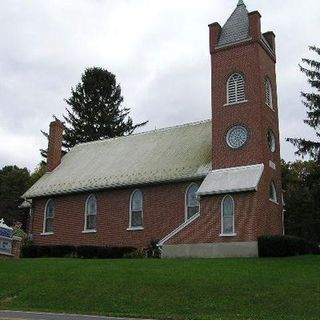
(241, 3)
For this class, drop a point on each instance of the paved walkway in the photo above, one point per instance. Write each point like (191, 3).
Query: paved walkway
(20, 315)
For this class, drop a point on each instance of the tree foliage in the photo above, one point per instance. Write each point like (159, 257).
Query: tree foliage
(14, 181)
(95, 110)
(312, 102)
(301, 182)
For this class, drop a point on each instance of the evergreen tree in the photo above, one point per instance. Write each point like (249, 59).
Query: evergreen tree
(301, 181)
(14, 182)
(96, 111)
(312, 102)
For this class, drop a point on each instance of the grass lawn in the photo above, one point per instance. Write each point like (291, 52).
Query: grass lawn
(218, 289)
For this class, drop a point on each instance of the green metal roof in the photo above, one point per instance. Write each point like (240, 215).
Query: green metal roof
(176, 153)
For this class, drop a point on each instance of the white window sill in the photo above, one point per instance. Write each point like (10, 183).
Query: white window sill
(134, 228)
(89, 231)
(46, 233)
(234, 103)
(227, 235)
(274, 201)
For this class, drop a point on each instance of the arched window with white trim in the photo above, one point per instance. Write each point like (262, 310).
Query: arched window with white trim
(49, 213)
(227, 216)
(192, 203)
(91, 214)
(269, 98)
(236, 88)
(136, 210)
(273, 192)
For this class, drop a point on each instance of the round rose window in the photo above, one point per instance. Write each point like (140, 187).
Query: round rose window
(237, 137)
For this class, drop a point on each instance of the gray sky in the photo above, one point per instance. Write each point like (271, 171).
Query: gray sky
(157, 49)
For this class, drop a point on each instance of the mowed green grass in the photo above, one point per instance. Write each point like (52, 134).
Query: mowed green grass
(274, 289)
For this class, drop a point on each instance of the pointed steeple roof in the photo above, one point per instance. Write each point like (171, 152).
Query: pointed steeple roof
(237, 26)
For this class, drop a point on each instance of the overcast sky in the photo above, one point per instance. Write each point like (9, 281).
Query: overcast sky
(157, 49)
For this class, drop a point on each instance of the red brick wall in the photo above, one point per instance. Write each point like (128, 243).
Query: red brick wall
(163, 211)
(255, 62)
(254, 216)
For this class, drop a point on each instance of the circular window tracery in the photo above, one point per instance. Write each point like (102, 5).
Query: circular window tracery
(237, 137)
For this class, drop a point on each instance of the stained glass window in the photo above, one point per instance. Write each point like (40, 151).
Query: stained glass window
(136, 209)
(91, 213)
(49, 216)
(192, 204)
(237, 136)
(227, 215)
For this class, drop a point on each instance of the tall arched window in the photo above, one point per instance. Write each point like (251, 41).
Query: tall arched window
(235, 88)
(273, 192)
(271, 140)
(49, 216)
(91, 213)
(192, 203)
(227, 216)
(269, 102)
(136, 210)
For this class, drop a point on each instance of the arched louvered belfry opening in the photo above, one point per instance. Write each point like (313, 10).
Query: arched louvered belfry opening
(236, 88)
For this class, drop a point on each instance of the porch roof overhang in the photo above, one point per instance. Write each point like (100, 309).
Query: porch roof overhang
(231, 180)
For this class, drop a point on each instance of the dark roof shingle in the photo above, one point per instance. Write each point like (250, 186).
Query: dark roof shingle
(237, 26)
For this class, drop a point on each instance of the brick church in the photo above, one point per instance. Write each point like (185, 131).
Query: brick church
(204, 189)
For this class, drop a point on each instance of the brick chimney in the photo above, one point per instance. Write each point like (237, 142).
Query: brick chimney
(54, 144)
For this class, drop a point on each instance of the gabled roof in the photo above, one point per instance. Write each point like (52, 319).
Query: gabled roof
(237, 179)
(170, 154)
(236, 28)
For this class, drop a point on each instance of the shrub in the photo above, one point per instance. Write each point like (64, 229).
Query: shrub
(85, 252)
(61, 251)
(285, 246)
(153, 251)
(137, 254)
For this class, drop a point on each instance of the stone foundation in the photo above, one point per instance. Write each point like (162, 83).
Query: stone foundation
(211, 250)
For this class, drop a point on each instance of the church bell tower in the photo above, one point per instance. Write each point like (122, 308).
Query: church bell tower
(245, 128)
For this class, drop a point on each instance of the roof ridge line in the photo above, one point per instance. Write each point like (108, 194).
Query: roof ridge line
(145, 132)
